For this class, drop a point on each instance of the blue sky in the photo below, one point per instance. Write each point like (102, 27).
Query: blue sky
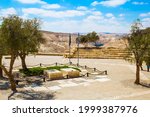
(114, 16)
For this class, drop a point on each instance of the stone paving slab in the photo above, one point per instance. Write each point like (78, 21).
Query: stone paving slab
(54, 88)
(103, 80)
(40, 88)
(59, 84)
(69, 85)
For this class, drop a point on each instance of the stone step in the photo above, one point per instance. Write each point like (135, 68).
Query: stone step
(95, 57)
(99, 53)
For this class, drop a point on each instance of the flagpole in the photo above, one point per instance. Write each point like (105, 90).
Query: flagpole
(78, 49)
(69, 47)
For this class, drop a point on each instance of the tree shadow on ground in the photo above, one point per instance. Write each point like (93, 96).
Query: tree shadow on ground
(25, 83)
(130, 84)
(31, 95)
(4, 84)
(145, 85)
(4, 78)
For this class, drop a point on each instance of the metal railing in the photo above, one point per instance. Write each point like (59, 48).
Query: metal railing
(90, 71)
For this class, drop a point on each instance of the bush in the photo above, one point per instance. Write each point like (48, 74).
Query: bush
(37, 71)
(57, 67)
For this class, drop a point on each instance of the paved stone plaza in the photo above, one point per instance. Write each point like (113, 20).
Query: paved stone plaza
(118, 84)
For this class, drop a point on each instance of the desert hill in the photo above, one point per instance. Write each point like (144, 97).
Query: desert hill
(58, 42)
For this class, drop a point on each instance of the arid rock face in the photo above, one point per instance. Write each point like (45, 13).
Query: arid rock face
(58, 42)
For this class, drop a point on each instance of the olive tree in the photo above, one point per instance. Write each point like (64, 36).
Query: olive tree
(83, 39)
(147, 61)
(10, 35)
(90, 37)
(30, 39)
(146, 58)
(138, 44)
(1, 53)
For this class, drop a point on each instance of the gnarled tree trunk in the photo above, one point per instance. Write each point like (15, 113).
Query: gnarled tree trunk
(23, 62)
(12, 82)
(24, 66)
(1, 71)
(148, 67)
(9, 74)
(141, 65)
(137, 81)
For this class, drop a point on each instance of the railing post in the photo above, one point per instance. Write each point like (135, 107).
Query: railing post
(87, 74)
(44, 79)
(106, 72)
(70, 63)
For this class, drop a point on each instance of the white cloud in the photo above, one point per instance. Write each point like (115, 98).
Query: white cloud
(146, 19)
(95, 3)
(44, 4)
(51, 6)
(109, 15)
(52, 13)
(89, 23)
(139, 3)
(110, 3)
(121, 15)
(8, 11)
(86, 26)
(31, 1)
(93, 18)
(82, 8)
(145, 14)
(96, 13)
(90, 20)
(146, 22)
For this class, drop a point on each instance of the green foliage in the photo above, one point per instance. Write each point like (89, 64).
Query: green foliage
(139, 45)
(75, 68)
(36, 71)
(18, 37)
(10, 34)
(83, 39)
(32, 71)
(139, 41)
(90, 37)
(56, 67)
(1, 44)
(146, 58)
(30, 39)
(30, 36)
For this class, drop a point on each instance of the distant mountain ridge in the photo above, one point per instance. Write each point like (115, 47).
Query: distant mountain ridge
(57, 42)
(83, 33)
